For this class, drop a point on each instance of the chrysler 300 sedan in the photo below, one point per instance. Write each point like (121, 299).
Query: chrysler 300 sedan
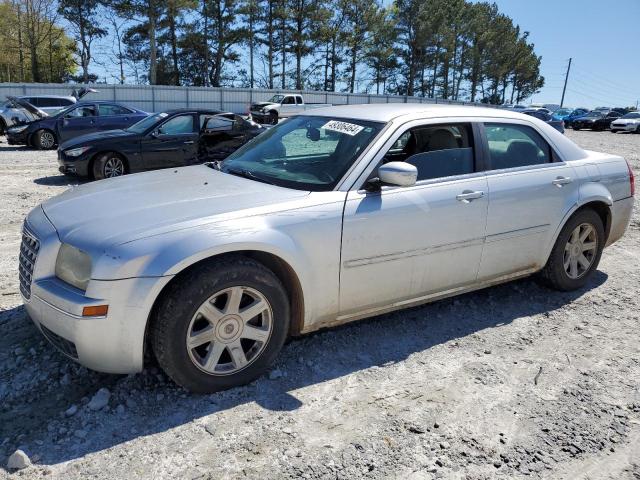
(335, 215)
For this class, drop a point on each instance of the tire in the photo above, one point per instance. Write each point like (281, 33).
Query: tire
(3, 127)
(575, 127)
(210, 288)
(109, 165)
(558, 272)
(273, 117)
(44, 139)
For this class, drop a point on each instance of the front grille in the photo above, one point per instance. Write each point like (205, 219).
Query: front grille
(65, 346)
(27, 260)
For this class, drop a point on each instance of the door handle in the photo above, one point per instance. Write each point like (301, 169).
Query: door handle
(468, 195)
(560, 181)
(190, 142)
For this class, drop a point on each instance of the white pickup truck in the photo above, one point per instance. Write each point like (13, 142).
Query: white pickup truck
(281, 106)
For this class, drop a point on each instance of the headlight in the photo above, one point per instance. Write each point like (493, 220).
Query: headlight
(18, 129)
(73, 266)
(76, 152)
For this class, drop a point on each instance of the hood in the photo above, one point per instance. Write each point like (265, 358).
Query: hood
(28, 106)
(118, 210)
(105, 136)
(259, 105)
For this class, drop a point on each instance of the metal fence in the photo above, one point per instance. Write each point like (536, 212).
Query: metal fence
(155, 98)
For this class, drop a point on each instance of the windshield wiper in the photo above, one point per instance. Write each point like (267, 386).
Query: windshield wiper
(248, 174)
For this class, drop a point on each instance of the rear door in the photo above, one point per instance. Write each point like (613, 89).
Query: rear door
(112, 116)
(173, 143)
(530, 191)
(78, 121)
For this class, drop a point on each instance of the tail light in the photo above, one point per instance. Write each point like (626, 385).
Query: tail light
(631, 180)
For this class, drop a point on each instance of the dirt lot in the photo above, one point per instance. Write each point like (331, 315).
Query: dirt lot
(514, 381)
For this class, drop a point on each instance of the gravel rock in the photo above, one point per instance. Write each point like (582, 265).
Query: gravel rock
(71, 411)
(99, 400)
(18, 460)
(274, 374)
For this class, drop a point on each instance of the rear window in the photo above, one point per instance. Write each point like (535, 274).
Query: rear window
(512, 146)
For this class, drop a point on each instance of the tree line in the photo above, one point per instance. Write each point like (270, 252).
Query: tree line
(452, 49)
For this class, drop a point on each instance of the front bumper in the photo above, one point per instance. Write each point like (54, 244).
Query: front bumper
(113, 343)
(629, 127)
(21, 138)
(262, 118)
(74, 165)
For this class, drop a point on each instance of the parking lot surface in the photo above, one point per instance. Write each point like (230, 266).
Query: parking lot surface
(514, 381)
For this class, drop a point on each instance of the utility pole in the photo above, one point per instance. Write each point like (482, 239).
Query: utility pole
(565, 83)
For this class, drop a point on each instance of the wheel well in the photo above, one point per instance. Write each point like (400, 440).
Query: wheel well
(94, 158)
(277, 265)
(603, 211)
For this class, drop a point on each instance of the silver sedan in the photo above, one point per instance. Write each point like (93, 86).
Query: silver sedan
(335, 215)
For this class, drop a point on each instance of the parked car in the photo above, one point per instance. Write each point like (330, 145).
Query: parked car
(328, 217)
(567, 115)
(545, 117)
(550, 107)
(595, 120)
(169, 139)
(281, 106)
(45, 132)
(11, 113)
(510, 106)
(627, 123)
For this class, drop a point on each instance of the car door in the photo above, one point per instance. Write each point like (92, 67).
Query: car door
(288, 106)
(173, 143)
(530, 191)
(112, 116)
(403, 243)
(77, 121)
(221, 136)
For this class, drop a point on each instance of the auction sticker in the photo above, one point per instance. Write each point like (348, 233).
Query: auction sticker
(343, 127)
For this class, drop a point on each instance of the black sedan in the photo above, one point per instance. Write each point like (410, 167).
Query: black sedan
(174, 138)
(595, 120)
(545, 117)
(46, 131)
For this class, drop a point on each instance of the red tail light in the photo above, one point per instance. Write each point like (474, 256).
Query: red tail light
(631, 180)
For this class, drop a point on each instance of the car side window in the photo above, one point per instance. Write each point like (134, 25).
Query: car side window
(436, 150)
(177, 125)
(106, 109)
(219, 123)
(288, 101)
(299, 100)
(512, 146)
(83, 111)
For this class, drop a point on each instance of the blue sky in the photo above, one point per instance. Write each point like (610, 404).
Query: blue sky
(602, 37)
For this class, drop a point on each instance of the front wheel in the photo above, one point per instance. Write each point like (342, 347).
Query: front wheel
(44, 139)
(576, 253)
(273, 117)
(221, 325)
(108, 165)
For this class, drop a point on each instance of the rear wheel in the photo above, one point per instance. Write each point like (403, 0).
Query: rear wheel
(576, 253)
(44, 140)
(221, 326)
(108, 165)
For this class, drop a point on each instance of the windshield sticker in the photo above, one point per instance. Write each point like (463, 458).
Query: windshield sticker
(343, 127)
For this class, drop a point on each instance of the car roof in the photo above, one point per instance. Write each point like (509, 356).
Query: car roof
(64, 97)
(208, 111)
(389, 111)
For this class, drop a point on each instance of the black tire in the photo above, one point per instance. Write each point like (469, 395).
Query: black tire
(273, 117)
(575, 127)
(554, 274)
(108, 165)
(3, 126)
(44, 139)
(177, 308)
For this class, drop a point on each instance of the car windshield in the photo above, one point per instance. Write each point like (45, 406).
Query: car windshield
(631, 115)
(146, 123)
(276, 99)
(594, 114)
(563, 111)
(305, 152)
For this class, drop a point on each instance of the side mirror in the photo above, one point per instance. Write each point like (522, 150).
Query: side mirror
(399, 174)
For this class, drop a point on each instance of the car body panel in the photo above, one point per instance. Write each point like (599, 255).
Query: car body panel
(355, 253)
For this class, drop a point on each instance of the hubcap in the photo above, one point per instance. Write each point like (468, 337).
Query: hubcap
(229, 330)
(580, 250)
(47, 140)
(113, 167)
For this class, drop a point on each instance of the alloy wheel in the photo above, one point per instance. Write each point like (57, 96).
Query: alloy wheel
(113, 167)
(580, 250)
(47, 140)
(229, 330)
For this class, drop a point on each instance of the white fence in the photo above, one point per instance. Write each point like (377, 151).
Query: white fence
(155, 98)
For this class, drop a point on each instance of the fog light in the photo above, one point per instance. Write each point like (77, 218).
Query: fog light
(95, 311)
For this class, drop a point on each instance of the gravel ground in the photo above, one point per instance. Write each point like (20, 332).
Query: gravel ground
(514, 381)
